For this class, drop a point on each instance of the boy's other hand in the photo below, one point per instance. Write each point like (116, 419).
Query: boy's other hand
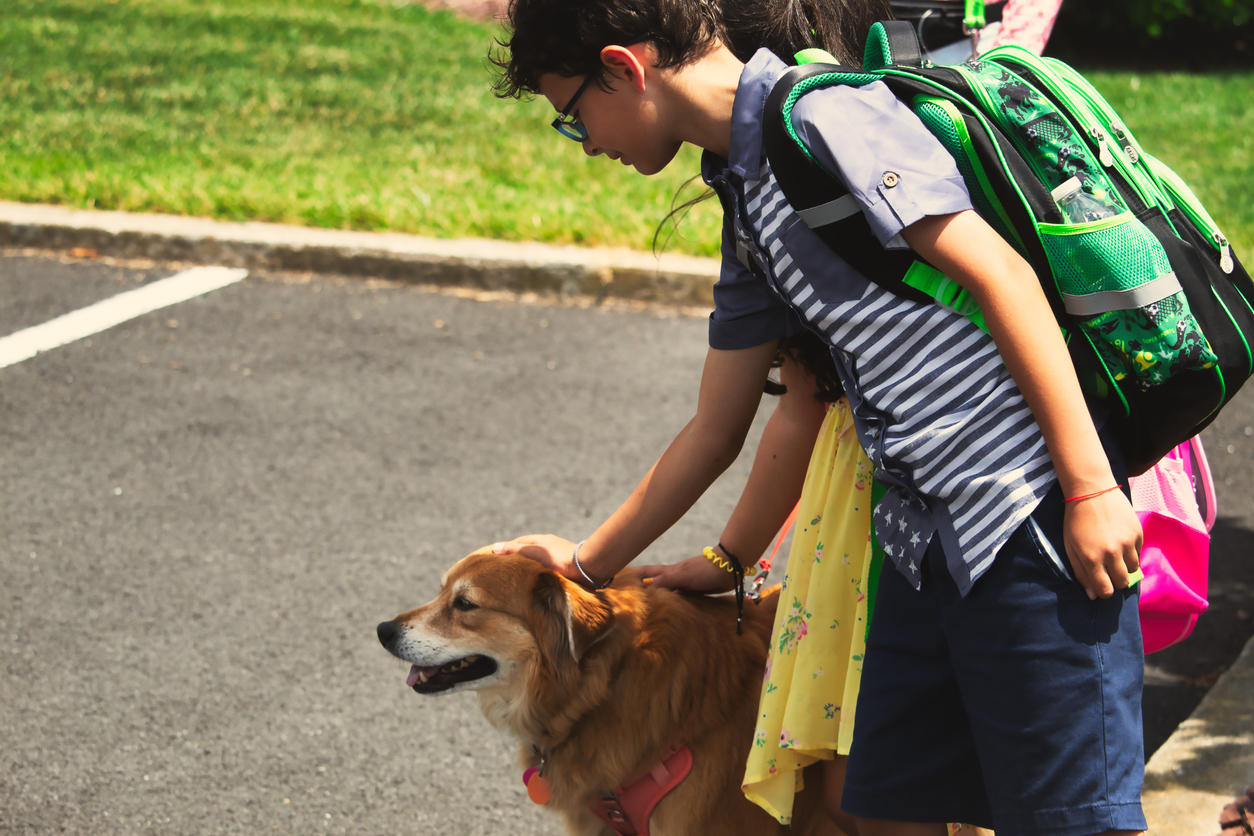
(549, 550)
(696, 574)
(1103, 538)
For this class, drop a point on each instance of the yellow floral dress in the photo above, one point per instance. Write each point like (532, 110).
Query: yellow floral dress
(810, 689)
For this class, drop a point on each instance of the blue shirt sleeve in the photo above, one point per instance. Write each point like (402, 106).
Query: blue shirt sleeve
(746, 311)
(864, 134)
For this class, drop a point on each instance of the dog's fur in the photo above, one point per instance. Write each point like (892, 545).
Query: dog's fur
(604, 684)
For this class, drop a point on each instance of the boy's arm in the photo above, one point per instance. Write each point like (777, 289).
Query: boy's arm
(1102, 534)
(779, 471)
(731, 388)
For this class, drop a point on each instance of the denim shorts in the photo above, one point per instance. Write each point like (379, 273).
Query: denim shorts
(1017, 707)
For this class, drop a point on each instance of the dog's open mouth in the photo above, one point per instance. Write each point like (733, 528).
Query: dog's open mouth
(436, 678)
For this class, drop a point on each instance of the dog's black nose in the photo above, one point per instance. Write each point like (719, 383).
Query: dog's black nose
(387, 632)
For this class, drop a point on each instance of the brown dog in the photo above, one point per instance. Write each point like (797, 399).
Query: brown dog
(603, 685)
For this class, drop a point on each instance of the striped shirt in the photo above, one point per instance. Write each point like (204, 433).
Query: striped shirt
(940, 418)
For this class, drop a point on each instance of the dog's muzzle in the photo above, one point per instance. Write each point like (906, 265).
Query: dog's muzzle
(432, 679)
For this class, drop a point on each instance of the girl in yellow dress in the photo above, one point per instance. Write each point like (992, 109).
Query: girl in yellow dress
(815, 662)
(813, 672)
(810, 689)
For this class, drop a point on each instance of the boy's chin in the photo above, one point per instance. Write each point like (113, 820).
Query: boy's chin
(650, 167)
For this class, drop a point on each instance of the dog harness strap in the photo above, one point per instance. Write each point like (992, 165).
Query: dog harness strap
(626, 810)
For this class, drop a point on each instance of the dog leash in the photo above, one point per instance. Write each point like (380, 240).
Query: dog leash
(764, 565)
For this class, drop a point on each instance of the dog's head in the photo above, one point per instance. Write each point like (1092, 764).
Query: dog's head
(497, 622)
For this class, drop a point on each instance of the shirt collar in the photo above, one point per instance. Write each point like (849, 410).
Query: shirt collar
(756, 82)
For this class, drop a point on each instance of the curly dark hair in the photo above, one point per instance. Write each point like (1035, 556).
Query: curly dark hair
(566, 37)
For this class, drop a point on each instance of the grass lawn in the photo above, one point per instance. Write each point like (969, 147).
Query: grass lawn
(366, 115)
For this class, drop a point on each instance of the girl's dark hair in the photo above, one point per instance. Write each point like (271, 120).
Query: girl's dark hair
(809, 351)
(566, 37)
(786, 27)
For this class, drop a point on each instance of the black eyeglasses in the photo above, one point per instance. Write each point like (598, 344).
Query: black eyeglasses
(573, 128)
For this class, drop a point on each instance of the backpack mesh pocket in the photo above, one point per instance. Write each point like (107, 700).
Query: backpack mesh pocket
(1117, 282)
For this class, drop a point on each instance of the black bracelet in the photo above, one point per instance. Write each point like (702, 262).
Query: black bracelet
(739, 573)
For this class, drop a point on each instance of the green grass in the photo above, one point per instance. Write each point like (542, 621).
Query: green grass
(1203, 127)
(320, 112)
(365, 115)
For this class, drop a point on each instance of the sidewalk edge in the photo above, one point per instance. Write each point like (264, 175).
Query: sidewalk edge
(1208, 760)
(470, 263)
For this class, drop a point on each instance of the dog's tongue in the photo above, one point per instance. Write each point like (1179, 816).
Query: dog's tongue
(414, 670)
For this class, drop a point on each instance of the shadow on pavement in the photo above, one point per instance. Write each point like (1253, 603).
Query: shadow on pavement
(1178, 677)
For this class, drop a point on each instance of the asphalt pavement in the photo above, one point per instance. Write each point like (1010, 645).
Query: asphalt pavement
(206, 511)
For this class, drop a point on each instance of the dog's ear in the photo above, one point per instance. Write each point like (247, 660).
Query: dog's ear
(566, 620)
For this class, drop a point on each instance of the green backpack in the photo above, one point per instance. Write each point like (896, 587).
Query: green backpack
(1156, 310)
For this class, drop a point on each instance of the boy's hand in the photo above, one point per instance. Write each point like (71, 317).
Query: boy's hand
(1103, 539)
(696, 574)
(549, 550)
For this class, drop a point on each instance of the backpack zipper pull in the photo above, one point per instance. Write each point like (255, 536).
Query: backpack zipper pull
(1225, 253)
(1121, 136)
(1103, 150)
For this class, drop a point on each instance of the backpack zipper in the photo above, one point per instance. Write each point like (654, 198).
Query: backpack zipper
(1193, 209)
(1101, 106)
(1075, 99)
(1132, 153)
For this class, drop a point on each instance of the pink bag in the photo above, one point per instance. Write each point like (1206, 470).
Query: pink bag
(1175, 501)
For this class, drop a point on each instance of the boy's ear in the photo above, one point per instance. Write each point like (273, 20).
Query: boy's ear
(627, 63)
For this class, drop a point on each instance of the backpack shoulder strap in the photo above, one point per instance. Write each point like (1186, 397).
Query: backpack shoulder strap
(892, 43)
(821, 198)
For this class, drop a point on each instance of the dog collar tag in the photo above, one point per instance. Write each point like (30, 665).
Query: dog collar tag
(537, 787)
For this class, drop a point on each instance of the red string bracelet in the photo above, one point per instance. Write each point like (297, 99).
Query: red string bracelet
(1091, 495)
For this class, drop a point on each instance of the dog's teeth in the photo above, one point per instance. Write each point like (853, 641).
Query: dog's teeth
(422, 677)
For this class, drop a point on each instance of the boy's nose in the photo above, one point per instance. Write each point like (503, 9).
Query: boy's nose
(591, 150)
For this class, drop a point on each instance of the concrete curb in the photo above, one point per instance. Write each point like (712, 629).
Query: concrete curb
(1207, 761)
(468, 262)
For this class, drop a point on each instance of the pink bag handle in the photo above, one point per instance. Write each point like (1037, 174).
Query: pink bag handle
(1203, 475)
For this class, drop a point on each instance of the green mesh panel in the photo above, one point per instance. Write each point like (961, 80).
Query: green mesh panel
(1150, 343)
(1117, 254)
(877, 54)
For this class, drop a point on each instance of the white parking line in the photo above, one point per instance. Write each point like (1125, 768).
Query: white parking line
(117, 309)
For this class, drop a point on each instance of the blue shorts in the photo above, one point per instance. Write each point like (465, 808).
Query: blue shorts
(1017, 707)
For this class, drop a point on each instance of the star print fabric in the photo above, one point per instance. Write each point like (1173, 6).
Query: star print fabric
(904, 527)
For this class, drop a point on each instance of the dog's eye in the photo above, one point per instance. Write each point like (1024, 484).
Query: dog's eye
(460, 603)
